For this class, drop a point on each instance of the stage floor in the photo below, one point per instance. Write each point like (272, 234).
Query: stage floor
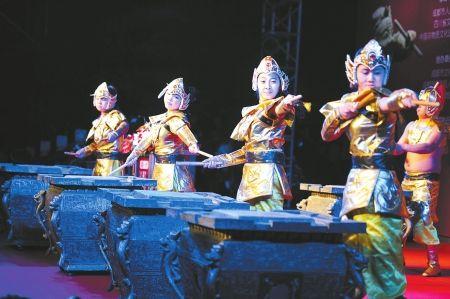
(29, 273)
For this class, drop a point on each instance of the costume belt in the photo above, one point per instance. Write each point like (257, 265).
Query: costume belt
(384, 162)
(265, 157)
(266, 120)
(170, 159)
(431, 176)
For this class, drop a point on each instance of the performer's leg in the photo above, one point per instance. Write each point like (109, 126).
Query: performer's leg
(427, 235)
(384, 276)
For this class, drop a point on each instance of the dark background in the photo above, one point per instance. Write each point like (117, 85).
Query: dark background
(55, 53)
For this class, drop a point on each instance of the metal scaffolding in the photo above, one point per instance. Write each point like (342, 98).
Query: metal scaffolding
(280, 38)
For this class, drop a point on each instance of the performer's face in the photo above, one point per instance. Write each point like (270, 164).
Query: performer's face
(104, 104)
(368, 78)
(268, 85)
(421, 112)
(172, 101)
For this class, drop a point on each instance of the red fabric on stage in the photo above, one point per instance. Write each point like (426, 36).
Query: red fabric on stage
(30, 274)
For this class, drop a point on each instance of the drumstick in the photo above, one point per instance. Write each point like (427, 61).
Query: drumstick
(118, 169)
(407, 37)
(205, 154)
(368, 96)
(70, 153)
(424, 103)
(189, 163)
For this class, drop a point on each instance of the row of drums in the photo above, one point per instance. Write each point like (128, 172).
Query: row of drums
(175, 245)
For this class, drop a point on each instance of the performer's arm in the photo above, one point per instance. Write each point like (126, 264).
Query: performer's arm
(397, 100)
(225, 160)
(118, 125)
(181, 128)
(284, 107)
(235, 158)
(144, 145)
(426, 147)
(186, 135)
(399, 148)
(86, 151)
(121, 130)
(338, 116)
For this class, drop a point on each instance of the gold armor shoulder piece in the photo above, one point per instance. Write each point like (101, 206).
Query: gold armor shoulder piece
(155, 119)
(248, 110)
(176, 122)
(114, 118)
(349, 97)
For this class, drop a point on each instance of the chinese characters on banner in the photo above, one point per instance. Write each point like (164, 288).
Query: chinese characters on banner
(416, 34)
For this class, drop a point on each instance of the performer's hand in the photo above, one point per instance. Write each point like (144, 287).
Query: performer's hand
(131, 159)
(348, 110)
(291, 100)
(214, 162)
(193, 148)
(112, 136)
(405, 98)
(81, 153)
(288, 104)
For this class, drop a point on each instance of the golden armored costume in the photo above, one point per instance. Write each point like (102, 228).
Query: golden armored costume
(107, 152)
(372, 194)
(425, 186)
(169, 137)
(264, 183)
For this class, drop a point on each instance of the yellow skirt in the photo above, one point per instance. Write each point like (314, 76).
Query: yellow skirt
(103, 167)
(269, 203)
(384, 276)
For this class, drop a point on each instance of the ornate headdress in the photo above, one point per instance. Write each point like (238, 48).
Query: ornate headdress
(102, 92)
(371, 56)
(266, 66)
(434, 93)
(177, 87)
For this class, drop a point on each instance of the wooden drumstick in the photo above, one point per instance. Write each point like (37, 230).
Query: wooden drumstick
(424, 103)
(189, 163)
(205, 154)
(118, 169)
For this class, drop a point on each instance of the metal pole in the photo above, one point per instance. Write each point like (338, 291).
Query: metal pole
(296, 81)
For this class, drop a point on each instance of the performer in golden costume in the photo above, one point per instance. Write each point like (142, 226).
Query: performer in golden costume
(106, 134)
(424, 142)
(170, 138)
(372, 193)
(264, 183)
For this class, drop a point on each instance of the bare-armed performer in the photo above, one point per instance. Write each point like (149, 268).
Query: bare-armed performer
(424, 142)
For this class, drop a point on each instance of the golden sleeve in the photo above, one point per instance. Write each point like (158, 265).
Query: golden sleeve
(235, 158)
(145, 144)
(115, 119)
(181, 128)
(269, 112)
(333, 126)
(90, 148)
